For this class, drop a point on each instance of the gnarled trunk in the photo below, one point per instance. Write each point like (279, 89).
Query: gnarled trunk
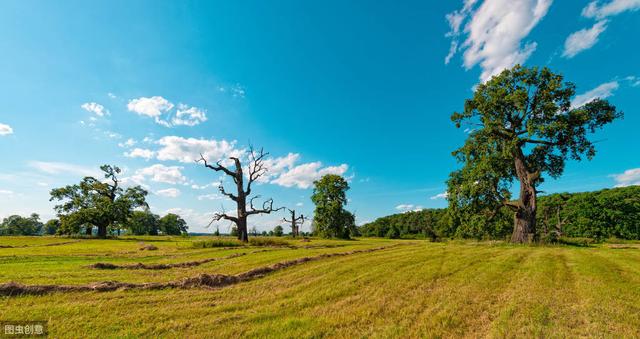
(102, 231)
(524, 219)
(242, 217)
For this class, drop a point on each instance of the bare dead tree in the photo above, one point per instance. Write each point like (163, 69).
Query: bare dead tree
(295, 227)
(256, 169)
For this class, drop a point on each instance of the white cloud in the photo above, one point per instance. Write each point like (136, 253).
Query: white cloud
(5, 192)
(238, 91)
(299, 204)
(95, 108)
(630, 177)
(442, 195)
(494, 33)
(303, 176)
(164, 174)
(140, 153)
(189, 116)
(583, 39)
(5, 129)
(169, 192)
(276, 166)
(210, 197)
(202, 187)
(129, 143)
(189, 149)
(153, 107)
(409, 207)
(111, 95)
(588, 37)
(611, 8)
(62, 168)
(603, 91)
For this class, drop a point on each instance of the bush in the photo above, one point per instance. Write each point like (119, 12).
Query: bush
(269, 242)
(217, 243)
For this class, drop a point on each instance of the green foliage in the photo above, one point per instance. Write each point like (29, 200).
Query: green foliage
(98, 203)
(331, 220)
(172, 224)
(143, 223)
(217, 243)
(51, 227)
(522, 125)
(427, 223)
(278, 231)
(595, 215)
(17, 225)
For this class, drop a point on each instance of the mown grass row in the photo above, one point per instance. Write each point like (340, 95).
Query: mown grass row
(421, 290)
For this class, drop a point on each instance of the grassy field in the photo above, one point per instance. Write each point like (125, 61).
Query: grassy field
(412, 289)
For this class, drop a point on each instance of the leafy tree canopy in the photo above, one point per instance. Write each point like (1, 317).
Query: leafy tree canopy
(522, 125)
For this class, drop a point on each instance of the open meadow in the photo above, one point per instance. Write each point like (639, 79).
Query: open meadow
(358, 288)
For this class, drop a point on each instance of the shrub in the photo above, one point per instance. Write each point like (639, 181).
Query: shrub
(217, 243)
(269, 242)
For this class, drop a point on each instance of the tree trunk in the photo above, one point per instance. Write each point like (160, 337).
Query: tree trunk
(242, 217)
(102, 231)
(524, 220)
(89, 230)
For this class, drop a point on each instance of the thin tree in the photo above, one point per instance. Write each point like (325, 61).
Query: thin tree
(295, 222)
(255, 170)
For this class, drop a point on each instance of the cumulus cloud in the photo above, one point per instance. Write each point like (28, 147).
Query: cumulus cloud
(189, 116)
(583, 39)
(140, 153)
(303, 176)
(188, 150)
(95, 108)
(442, 195)
(169, 193)
(160, 110)
(5, 129)
(630, 177)
(153, 107)
(603, 91)
(162, 173)
(494, 32)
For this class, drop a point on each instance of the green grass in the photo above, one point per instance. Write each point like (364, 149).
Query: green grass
(418, 289)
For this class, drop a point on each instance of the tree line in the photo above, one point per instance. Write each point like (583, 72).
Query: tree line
(597, 215)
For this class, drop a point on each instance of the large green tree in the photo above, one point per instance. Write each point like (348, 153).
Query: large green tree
(143, 223)
(523, 124)
(330, 219)
(173, 224)
(101, 203)
(18, 225)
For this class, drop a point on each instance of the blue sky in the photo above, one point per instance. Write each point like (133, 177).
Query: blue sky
(364, 89)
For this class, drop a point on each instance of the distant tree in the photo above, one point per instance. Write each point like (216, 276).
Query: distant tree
(234, 231)
(295, 222)
(255, 170)
(331, 220)
(217, 232)
(172, 224)
(97, 203)
(17, 225)
(253, 231)
(278, 231)
(264, 233)
(143, 223)
(523, 125)
(51, 227)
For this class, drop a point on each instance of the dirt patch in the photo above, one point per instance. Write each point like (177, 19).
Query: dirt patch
(199, 281)
(141, 266)
(43, 245)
